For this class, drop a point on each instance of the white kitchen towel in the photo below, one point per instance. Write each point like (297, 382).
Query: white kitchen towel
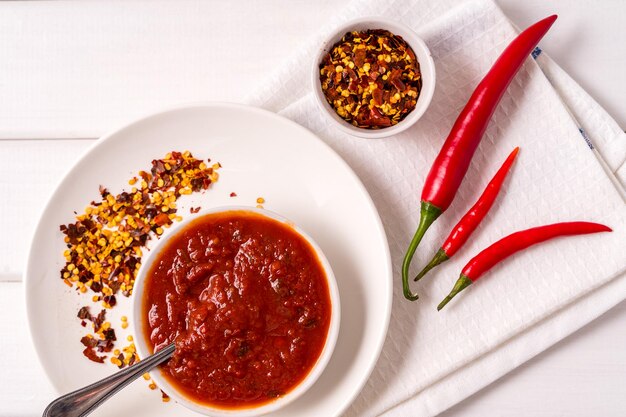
(432, 360)
(477, 374)
(597, 127)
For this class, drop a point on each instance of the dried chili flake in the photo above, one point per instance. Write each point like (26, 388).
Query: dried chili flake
(109, 334)
(99, 321)
(103, 335)
(372, 78)
(93, 344)
(194, 210)
(104, 245)
(92, 355)
(233, 194)
(110, 300)
(84, 313)
(126, 357)
(88, 341)
(103, 192)
(162, 219)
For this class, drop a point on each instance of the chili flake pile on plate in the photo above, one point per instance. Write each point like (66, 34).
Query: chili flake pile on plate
(104, 245)
(372, 78)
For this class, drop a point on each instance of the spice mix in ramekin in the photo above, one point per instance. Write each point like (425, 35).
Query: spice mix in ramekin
(371, 78)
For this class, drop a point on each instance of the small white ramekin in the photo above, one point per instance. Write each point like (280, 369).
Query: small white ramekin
(144, 350)
(427, 69)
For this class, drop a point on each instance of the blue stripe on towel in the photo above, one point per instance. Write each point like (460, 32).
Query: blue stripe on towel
(584, 135)
(536, 52)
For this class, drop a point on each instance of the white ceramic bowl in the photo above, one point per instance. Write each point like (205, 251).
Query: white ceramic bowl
(427, 68)
(144, 350)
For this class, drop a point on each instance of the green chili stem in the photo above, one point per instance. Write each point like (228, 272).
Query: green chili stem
(439, 258)
(459, 286)
(428, 214)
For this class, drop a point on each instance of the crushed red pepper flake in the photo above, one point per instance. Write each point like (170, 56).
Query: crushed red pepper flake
(126, 357)
(104, 245)
(233, 194)
(194, 210)
(92, 355)
(371, 78)
(101, 328)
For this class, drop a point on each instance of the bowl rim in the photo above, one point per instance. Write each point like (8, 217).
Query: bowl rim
(316, 370)
(424, 58)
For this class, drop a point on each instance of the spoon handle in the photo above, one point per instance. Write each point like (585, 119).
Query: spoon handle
(81, 402)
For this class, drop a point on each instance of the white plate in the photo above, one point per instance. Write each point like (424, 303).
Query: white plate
(263, 155)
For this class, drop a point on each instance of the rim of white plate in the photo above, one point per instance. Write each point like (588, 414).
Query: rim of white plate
(236, 106)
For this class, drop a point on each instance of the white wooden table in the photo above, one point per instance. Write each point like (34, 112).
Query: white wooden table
(55, 84)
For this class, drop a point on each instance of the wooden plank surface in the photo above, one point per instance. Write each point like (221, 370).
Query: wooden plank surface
(30, 171)
(24, 388)
(77, 69)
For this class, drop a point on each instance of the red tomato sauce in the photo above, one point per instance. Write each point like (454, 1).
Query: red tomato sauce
(247, 302)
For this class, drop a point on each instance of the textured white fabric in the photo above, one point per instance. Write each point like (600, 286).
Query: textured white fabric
(432, 360)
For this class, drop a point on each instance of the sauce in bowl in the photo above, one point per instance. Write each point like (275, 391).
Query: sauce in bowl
(247, 302)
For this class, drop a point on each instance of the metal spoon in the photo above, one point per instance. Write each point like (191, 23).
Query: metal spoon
(83, 401)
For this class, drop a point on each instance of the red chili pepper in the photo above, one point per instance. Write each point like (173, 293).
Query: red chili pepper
(451, 164)
(513, 243)
(470, 221)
